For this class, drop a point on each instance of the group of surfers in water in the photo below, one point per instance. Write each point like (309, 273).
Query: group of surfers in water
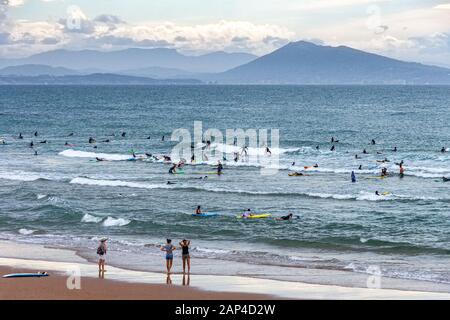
(384, 171)
(248, 214)
(219, 168)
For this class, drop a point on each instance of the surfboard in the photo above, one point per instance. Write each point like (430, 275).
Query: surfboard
(204, 215)
(25, 275)
(255, 216)
(211, 172)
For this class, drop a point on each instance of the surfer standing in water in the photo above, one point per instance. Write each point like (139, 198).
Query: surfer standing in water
(219, 168)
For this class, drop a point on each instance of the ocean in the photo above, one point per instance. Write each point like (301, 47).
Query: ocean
(63, 197)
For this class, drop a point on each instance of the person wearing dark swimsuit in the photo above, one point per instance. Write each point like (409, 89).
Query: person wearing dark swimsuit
(184, 244)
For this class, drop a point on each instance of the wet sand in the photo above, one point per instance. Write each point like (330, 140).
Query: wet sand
(54, 288)
(120, 283)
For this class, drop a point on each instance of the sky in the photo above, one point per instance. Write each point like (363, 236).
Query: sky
(410, 30)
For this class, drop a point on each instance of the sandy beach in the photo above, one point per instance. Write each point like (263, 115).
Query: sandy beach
(65, 266)
(54, 288)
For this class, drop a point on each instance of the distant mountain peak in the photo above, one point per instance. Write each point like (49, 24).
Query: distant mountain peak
(304, 62)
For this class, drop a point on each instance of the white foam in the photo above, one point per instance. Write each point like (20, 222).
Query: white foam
(112, 222)
(90, 219)
(230, 149)
(26, 232)
(40, 196)
(85, 154)
(216, 251)
(19, 176)
(117, 183)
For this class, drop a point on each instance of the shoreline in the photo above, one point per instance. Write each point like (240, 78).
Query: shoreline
(121, 283)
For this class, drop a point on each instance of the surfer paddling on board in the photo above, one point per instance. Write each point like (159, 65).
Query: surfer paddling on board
(290, 216)
(247, 214)
(198, 210)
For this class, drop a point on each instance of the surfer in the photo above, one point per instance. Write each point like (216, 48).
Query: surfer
(268, 152)
(219, 167)
(402, 171)
(332, 148)
(170, 182)
(356, 156)
(295, 174)
(70, 134)
(35, 133)
(290, 216)
(44, 141)
(395, 149)
(244, 150)
(360, 167)
(373, 142)
(365, 151)
(399, 163)
(173, 169)
(353, 176)
(101, 252)
(168, 248)
(167, 158)
(377, 193)
(184, 245)
(31, 144)
(315, 166)
(443, 149)
(317, 147)
(247, 214)
(100, 159)
(162, 139)
(20, 136)
(236, 157)
(91, 140)
(444, 179)
(384, 172)
(124, 134)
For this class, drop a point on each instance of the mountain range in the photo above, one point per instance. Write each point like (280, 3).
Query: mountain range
(295, 63)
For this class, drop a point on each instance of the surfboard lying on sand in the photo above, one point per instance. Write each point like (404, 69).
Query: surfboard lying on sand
(26, 275)
(255, 216)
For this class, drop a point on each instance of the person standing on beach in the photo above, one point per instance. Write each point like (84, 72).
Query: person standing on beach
(168, 248)
(184, 244)
(101, 252)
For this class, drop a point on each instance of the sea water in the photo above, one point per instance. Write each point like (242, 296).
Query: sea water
(64, 197)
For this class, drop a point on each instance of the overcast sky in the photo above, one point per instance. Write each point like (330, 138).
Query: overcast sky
(407, 29)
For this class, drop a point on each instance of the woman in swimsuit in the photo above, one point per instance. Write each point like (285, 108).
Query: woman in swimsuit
(184, 244)
(168, 248)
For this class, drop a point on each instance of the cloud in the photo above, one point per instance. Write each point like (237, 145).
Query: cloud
(4, 38)
(109, 19)
(445, 6)
(330, 4)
